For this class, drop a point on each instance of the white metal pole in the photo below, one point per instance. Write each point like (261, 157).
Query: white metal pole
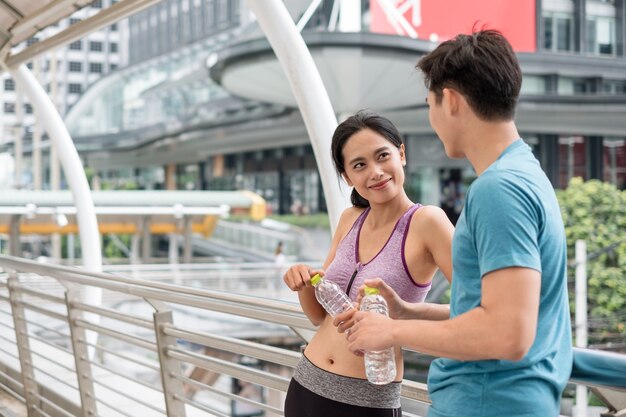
(581, 318)
(309, 91)
(74, 173)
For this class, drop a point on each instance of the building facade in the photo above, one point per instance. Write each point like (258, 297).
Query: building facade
(203, 104)
(66, 74)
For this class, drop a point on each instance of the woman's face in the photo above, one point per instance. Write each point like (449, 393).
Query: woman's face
(374, 166)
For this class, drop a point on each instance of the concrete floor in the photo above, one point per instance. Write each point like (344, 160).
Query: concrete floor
(10, 407)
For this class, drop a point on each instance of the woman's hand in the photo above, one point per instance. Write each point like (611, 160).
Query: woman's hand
(395, 304)
(345, 320)
(299, 276)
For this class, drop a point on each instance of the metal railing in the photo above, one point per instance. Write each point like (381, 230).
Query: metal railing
(155, 348)
(161, 349)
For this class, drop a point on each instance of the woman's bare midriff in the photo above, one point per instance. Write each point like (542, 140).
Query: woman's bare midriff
(328, 350)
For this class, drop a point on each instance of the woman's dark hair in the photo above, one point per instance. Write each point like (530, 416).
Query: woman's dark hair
(481, 66)
(354, 124)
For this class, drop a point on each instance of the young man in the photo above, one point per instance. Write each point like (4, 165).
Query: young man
(504, 341)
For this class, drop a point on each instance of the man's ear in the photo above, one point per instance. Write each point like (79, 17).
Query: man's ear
(451, 100)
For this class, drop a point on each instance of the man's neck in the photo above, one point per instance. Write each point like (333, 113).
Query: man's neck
(486, 141)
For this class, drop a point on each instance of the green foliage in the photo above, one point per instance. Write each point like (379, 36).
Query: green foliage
(307, 221)
(596, 213)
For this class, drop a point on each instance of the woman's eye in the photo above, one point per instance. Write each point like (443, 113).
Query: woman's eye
(358, 165)
(383, 155)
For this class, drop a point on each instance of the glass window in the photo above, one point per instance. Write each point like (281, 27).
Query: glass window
(533, 84)
(95, 67)
(75, 66)
(112, 67)
(114, 27)
(76, 46)
(74, 20)
(32, 41)
(97, 4)
(113, 47)
(95, 46)
(9, 107)
(547, 35)
(615, 161)
(74, 88)
(28, 108)
(601, 35)
(9, 85)
(558, 31)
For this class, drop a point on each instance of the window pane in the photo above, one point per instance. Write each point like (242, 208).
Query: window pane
(563, 34)
(547, 24)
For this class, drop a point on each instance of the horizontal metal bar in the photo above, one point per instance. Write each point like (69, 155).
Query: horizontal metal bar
(128, 358)
(415, 391)
(23, 289)
(110, 281)
(203, 407)
(107, 312)
(230, 395)
(10, 391)
(7, 326)
(117, 410)
(242, 347)
(125, 395)
(224, 367)
(43, 311)
(47, 358)
(143, 343)
(46, 328)
(9, 353)
(46, 342)
(133, 379)
(53, 405)
(48, 374)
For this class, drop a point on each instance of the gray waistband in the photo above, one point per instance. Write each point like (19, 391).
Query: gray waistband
(353, 391)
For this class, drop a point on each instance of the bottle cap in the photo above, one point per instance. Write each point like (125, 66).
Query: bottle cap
(316, 279)
(371, 290)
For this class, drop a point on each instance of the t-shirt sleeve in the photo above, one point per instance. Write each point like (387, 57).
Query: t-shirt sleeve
(505, 222)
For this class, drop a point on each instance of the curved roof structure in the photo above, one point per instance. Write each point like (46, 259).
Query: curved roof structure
(21, 19)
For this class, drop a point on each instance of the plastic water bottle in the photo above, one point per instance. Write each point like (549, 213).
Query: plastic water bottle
(380, 365)
(330, 296)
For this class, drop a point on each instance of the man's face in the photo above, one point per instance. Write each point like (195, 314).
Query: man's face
(442, 123)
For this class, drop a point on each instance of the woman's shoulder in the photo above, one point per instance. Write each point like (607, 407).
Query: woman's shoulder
(348, 217)
(429, 216)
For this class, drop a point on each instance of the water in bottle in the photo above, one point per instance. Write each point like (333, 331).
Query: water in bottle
(380, 365)
(330, 296)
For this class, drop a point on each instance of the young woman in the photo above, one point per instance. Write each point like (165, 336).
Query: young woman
(384, 235)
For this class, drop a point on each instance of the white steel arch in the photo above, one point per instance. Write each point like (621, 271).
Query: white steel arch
(309, 91)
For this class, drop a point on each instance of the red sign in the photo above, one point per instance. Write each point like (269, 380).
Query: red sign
(440, 20)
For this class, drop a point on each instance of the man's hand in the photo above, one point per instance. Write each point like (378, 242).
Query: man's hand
(395, 304)
(371, 331)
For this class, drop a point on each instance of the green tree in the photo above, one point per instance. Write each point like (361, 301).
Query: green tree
(595, 212)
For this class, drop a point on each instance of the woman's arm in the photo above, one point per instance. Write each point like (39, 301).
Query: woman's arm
(298, 277)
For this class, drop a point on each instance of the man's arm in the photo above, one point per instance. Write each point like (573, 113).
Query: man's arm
(503, 326)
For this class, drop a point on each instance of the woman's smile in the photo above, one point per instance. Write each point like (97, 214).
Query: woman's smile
(380, 185)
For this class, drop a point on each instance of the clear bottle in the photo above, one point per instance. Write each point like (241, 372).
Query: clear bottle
(380, 365)
(330, 296)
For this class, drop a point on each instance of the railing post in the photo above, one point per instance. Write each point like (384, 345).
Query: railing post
(170, 368)
(33, 403)
(81, 356)
(581, 318)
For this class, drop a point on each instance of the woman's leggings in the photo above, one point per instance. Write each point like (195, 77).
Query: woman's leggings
(314, 392)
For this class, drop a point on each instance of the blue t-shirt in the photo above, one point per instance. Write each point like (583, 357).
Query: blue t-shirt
(511, 219)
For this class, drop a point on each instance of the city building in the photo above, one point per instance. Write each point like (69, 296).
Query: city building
(66, 73)
(203, 103)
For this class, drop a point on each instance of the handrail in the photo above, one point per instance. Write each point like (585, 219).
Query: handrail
(188, 358)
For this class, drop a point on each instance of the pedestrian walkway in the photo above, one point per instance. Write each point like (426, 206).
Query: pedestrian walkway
(10, 407)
